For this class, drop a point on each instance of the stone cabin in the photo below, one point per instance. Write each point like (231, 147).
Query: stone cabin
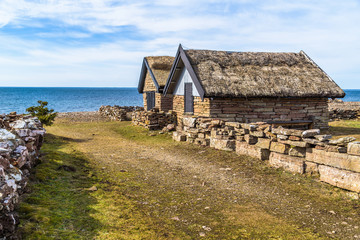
(154, 73)
(279, 88)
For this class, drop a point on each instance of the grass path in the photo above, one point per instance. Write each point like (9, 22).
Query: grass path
(149, 187)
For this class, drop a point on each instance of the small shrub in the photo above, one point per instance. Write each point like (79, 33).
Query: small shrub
(45, 115)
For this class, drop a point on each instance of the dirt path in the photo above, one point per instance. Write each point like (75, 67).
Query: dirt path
(205, 193)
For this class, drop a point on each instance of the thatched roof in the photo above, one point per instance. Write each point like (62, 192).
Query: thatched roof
(159, 68)
(261, 74)
(257, 74)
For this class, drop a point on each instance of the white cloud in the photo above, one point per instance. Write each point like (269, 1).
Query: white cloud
(326, 30)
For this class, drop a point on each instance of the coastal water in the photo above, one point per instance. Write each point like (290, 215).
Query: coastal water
(67, 99)
(83, 99)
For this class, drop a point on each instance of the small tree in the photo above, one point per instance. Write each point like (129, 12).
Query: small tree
(45, 115)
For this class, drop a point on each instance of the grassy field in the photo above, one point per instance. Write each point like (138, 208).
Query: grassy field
(345, 128)
(110, 180)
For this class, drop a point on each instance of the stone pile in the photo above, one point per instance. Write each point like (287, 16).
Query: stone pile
(343, 110)
(154, 119)
(336, 161)
(20, 140)
(118, 113)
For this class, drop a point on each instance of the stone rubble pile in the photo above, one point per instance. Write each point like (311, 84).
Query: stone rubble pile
(337, 162)
(20, 140)
(118, 113)
(343, 110)
(154, 119)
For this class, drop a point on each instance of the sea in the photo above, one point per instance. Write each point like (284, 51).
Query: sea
(71, 99)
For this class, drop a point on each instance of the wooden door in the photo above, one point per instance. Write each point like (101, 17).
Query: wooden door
(188, 98)
(150, 100)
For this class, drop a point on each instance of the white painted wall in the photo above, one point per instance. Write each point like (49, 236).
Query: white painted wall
(185, 78)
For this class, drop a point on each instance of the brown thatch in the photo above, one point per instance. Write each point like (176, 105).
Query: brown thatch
(160, 66)
(260, 74)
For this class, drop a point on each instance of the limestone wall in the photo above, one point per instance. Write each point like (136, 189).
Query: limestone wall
(20, 140)
(339, 110)
(154, 119)
(259, 109)
(337, 162)
(118, 113)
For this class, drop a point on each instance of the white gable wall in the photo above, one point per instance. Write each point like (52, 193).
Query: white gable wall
(185, 78)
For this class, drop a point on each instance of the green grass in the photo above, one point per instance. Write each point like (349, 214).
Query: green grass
(142, 201)
(345, 128)
(60, 206)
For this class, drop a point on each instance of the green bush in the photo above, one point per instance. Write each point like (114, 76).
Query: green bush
(45, 115)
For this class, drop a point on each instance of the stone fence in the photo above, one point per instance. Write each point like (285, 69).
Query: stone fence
(118, 113)
(343, 110)
(20, 140)
(154, 119)
(337, 162)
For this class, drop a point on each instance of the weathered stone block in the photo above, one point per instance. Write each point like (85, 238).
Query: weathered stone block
(250, 139)
(227, 145)
(189, 121)
(297, 152)
(279, 147)
(263, 143)
(295, 143)
(338, 160)
(311, 168)
(353, 148)
(323, 138)
(310, 133)
(259, 134)
(294, 138)
(179, 137)
(202, 142)
(340, 178)
(313, 141)
(242, 148)
(342, 141)
(282, 137)
(289, 163)
(285, 131)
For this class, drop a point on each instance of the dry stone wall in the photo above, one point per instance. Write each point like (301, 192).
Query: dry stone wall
(337, 162)
(118, 113)
(343, 110)
(154, 119)
(20, 140)
(259, 109)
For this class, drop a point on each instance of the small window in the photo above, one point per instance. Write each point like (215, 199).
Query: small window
(150, 100)
(188, 98)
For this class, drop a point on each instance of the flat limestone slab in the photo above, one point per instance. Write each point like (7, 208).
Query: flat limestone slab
(354, 148)
(243, 148)
(222, 144)
(333, 159)
(289, 163)
(340, 178)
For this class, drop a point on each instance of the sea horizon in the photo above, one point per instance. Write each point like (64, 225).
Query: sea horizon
(81, 99)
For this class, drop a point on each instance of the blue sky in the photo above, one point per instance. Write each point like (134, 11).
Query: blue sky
(101, 43)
